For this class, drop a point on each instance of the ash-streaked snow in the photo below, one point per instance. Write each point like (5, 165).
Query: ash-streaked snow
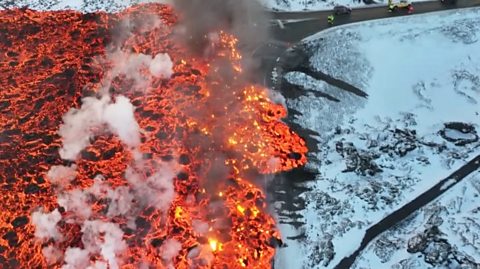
(311, 5)
(419, 123)
(444, 234)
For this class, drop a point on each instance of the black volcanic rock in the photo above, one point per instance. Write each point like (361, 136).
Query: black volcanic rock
(459, 133)
(20, 221)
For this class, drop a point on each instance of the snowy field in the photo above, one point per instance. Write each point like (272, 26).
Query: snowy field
(311, 5)
(419, 123)
(445, 234)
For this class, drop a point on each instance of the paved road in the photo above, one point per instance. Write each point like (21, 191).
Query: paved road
(309, 23)
(312, 22)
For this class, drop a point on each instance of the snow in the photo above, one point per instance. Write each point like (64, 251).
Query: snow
(311, 5)
(288, 255)
(455, 214)
(449, 183)
(458, 135)
(421, 73)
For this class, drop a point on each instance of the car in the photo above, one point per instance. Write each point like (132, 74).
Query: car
(342, 10)
(403, 4)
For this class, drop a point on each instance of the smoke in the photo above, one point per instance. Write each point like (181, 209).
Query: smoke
(200, 227)
(161, 66)
(76, 202)
(76, 130)
(99, 237)
(246, 19)
(169, 250)
(121, 198)
(62, 175)
(120, 119)
(46, 225)
(132, 66)
(76, 258)
(201, 256)
(156, 190)
(103, 245)
(80, 125)
(51, 254)
(102, 238)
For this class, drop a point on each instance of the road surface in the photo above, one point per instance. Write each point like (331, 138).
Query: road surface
(309, 23)
(304, 24)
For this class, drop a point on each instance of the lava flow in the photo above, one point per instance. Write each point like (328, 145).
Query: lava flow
(203, 124)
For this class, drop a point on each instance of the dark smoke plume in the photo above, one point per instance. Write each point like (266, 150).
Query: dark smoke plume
(246, 19)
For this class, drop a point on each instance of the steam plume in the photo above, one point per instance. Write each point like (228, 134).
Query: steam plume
(46, 225)
(101, 236)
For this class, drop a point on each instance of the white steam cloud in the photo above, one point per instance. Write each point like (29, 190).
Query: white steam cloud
(46, 225)
(134, 65)
(52, 254)
(157, 190)
(121, 198)
(76, 202)
(61, 175)
(80, 125)
(170, 250)
(102, 237)
(120, 119)
(161, 66)
(103, 244)
(76, 258)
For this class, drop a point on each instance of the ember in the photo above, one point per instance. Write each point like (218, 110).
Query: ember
(168, 186)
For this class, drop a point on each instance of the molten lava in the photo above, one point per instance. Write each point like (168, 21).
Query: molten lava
(198, 118)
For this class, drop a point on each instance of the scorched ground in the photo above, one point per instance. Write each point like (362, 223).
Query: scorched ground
(218, 133)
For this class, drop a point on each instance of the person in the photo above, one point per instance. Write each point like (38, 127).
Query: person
(391, 6)
(330, 19)
(410, 9)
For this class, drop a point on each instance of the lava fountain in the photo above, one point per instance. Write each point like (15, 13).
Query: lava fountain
(126, 151)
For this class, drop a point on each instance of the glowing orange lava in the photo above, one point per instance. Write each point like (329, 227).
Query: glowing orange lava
(49, 61)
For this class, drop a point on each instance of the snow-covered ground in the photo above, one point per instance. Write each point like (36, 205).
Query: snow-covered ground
(445, 234)
(419, 123)
(311, 5)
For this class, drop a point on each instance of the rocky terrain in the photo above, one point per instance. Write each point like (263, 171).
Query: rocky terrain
(385, 135)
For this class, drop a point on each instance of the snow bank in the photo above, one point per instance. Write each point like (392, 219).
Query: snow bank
(377, 153)
(311, 5)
